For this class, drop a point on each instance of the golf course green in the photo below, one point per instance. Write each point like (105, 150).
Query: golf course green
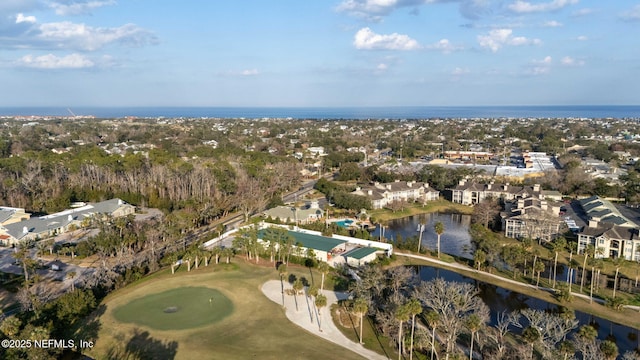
(176, 309)
(132, 320)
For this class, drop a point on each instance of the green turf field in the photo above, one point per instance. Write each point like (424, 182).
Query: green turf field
(176, 309)
(254, 326)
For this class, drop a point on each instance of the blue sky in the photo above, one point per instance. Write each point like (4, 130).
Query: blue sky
(319, 52)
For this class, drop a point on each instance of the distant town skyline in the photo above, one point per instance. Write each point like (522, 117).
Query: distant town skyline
(319, 53)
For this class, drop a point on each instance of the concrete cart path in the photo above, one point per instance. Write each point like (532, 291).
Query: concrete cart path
(307, 317)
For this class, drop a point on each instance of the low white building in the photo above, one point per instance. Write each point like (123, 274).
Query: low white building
(293, 214)
(333, 250)
(58, 223)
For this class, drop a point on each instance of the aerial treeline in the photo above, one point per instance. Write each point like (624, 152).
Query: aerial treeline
(449, 320)
(341, 196)
(46, 182)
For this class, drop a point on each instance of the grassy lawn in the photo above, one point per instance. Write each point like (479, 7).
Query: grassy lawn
(176, 309)
(349, 325)
(257, 327)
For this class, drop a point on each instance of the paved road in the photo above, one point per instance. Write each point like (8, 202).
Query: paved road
(307, 318)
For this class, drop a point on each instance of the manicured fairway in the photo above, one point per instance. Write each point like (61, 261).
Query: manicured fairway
(252, 327)
(176, 309)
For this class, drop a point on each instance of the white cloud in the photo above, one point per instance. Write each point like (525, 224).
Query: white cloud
(539, 67)
(552, 23)
(249, 72)
(569, 61)
(375, 10)
(382, 67)
(82, 37)
(50, 61)
(498, 38)
(582, 12)
(546, 61)
(365, 39)
(632, 14)
(78, 7)
(458, 71)
(20, 18)
(526, 7)
(445, 46)
(582, 38)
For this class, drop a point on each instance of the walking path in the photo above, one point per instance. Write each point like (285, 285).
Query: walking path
(308, 318)
(459, 266)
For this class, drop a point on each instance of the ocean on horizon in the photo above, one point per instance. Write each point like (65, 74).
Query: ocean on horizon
(388, 112)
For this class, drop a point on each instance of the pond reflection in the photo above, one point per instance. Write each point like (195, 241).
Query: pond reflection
(499, 299)
(454, 241)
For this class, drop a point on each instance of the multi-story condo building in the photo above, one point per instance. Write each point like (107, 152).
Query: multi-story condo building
(611, 234)
(383, 194)
(531, 218)
(470, 193)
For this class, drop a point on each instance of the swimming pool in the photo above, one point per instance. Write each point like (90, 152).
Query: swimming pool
(344, 223)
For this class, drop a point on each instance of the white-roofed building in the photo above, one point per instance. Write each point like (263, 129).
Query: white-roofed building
(58, 223)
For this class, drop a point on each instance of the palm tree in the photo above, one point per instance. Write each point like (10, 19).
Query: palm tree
(609, 349)
(432, 318)
(415, 308)
(402, 314)
(71, 275)
(173, 258)
(206, 253)
(587, 332)
(297, 287)
(593, 269)
(473, 323)
(535, 253)
(324, 268)
(282, 271)
(479, 258)
(421, 228)
(618, 263)
(217, 251)
(187, 256)
(313, 291)
(22, 254)
(531, 335)
(197, 252)
(557, 245)
(51, 244)
(439, 229)
(360, 307)
(41, 247)
(588, 251)
(321, 301)
(538, 267)
(228, 254)
(566, 349)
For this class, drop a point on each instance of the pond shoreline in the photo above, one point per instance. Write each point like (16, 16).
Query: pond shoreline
(627, 317)
(438, 206)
